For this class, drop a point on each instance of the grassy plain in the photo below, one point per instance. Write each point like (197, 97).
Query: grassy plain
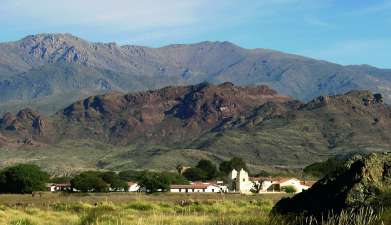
(125, 208)
(159, 209)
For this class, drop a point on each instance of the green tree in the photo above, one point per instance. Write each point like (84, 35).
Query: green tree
(289, 189)
(235, 163)
(90, 181)
(225, 167)
(195, 174)
(175, 178)
(114, 181)
(209, 168)
(130, 175)
(153, 182)
(23, 178)
(60, 180)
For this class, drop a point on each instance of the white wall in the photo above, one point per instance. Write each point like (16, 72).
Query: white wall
(134, 188)
(294, 183)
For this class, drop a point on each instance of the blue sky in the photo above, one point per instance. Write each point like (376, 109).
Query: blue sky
(341, 31)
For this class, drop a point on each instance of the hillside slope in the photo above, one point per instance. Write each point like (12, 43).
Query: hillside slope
(40, 71)
(181, 124)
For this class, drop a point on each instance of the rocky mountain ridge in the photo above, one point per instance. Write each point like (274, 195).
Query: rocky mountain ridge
(47, 72)
(182, 112)
(213, 121)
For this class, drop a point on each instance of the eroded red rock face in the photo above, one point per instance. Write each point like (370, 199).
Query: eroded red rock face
(182, 114)
(8, 121)
(26, 121)
(171, 112)
(27, 128)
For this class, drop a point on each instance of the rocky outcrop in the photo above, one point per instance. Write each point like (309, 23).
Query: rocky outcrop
(182, 112)
(363, 98)
(26, 121)
(8, 121)
(362, 182)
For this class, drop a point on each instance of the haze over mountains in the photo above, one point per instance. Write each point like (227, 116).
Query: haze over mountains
(50, 71)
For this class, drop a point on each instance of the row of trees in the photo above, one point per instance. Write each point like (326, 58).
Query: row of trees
(207, 170)
(95, 181)
(27, 178)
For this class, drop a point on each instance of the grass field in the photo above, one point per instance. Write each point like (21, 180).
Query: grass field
(125, 208)
(141, 209)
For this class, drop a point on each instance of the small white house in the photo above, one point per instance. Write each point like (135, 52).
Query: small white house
(59, 187)
(197, 187)
(293, 182)
(133, 187)
(278, 185)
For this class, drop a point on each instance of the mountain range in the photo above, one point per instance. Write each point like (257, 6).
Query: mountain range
(159, 129)
(47, 72)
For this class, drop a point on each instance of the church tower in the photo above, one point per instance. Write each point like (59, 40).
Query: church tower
(243, 183)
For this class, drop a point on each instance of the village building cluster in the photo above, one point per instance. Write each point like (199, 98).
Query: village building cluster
(237, 182)
(242, 183)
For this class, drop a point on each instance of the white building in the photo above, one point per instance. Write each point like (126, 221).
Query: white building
(241, 182)
(198, 187)
(278, 185)
(291, 182)
(133, 187)
(59, 187)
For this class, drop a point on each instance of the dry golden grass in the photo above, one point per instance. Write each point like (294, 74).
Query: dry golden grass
(162, 209)
(47, 199)
(123, 208)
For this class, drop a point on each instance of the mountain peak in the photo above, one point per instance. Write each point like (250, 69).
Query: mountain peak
(51, 48)
(135, 68)
(50, 36)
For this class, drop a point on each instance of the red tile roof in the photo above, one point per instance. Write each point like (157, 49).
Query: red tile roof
(131, 183)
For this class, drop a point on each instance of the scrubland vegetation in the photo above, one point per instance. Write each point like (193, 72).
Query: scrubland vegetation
(163, 209)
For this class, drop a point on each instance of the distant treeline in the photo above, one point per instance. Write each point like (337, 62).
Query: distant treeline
(28, 178)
